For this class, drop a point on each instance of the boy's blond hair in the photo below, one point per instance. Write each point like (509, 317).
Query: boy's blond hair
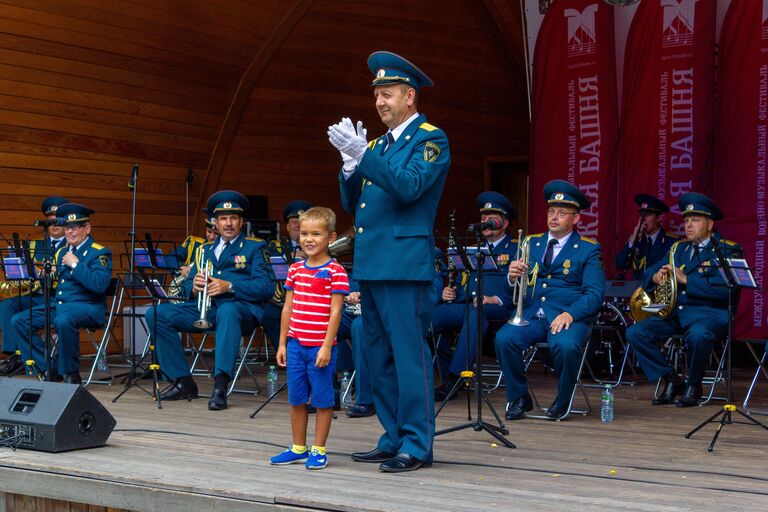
(320, 214)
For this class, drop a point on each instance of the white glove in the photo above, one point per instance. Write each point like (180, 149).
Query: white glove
(347, 139)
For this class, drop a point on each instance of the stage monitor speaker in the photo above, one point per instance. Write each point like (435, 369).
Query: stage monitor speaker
(51, 416)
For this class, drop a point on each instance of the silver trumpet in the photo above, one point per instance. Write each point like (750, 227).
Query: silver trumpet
(523, 252)
(203, 299)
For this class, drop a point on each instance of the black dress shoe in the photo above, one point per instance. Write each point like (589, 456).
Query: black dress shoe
(671, 390)
(73, 378)
(401, 463)
(556, 412)
(361, 411)
(11, 366)
(519, 407)
(53, 376)
(181, 390)
(691, 396)
(374, 455)
(218, 400)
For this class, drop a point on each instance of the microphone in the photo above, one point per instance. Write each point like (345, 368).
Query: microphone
(482, 226)
(190, 175)
(58, 221)
(134, 175)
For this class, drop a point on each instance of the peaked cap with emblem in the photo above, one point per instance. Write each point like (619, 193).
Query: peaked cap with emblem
(389, 68)
(51, 204)
(693, 203)
(561, 192)
(74, 214)
(493, 202)
(210, 220)
(649, 203)
(295, 208)
(227, 201)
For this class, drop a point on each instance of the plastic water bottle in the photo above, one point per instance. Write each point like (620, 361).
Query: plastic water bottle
(606, 408)
(101, 361)
(271, 381)
(346, 395)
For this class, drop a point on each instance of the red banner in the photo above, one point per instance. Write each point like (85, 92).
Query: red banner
(666, 146)
(574, 104)
(740, 148)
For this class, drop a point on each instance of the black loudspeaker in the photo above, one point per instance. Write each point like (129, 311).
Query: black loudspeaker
(51, 416)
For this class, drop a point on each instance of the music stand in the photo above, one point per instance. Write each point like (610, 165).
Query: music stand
(737, 274)
(476, 374)
(18, 267)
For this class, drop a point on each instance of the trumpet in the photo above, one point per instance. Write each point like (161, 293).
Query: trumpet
(203, 299)
(523, 252)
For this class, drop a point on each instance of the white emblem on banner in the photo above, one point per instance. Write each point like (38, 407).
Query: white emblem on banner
(677, 28)
(582, 38)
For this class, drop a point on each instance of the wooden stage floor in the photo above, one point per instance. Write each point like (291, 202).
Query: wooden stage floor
(185, 457)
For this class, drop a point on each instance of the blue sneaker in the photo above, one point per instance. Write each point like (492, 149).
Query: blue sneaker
(316, 461)
(288, 457)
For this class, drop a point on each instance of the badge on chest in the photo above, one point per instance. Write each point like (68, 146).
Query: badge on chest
(240, 261)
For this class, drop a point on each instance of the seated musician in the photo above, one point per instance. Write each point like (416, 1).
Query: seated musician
(649, 242)
(701, 313)
(14, 304)
(451, 313)
(186, 251)
(239, 282)
(274, 308)
(564, 295)
(84, 270)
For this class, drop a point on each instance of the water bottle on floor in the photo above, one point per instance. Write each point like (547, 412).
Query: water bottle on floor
(346, 393)
(271, 381)
(606, 408)
(101, 361)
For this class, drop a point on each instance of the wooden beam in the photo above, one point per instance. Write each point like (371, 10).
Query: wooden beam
(240, 100)
(506, 28)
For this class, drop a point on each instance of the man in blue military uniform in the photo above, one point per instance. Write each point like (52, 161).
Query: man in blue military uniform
(457, 312)
(239, 282)
(649, 242)
(84, 271)
(274, 308)
(39, 250)
(565, 293)
(393, 186)
(701, 314)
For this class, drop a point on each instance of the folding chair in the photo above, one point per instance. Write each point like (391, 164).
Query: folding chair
(244, 361)
(762, 367)
(109, 334)
(674, 348)
(611, 326)
(528, 359)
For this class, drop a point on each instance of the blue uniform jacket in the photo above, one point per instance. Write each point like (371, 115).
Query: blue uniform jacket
(647, 258)
(186, 251)
(494, 281)
(89, 281)
(706, 292)
(244, 263)
(574, 281)
(394, 198)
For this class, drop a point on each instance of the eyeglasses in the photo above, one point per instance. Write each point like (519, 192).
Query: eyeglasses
(558, 213)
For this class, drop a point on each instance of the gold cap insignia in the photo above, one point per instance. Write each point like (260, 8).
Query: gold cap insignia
(227, 205)
(559, 196)
(381, 73)
(644, 205)
(488, 205)
(689, 207)
(54, 208)
(300, 212)
(72, 216)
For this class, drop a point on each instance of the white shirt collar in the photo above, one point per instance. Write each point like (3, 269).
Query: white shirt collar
(401, 128)
(81, 244)
(560, 241)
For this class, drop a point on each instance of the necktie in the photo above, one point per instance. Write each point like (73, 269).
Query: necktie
(223, 248)
(695, 252)
(390, 141)
(550, 252)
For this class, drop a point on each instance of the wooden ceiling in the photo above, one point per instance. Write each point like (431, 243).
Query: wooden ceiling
(239, 91)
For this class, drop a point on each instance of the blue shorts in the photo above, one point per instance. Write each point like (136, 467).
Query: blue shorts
(303, 376)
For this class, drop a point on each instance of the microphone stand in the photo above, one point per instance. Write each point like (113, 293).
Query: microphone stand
(476, 374)
(187, 183)
(726, 413)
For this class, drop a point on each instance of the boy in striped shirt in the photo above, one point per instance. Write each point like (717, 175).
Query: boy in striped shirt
(314, 298)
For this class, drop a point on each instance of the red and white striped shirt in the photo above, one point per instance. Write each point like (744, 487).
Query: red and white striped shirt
(312, 289)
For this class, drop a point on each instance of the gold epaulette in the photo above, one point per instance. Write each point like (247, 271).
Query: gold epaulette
(589, 240)
(192, 238)
(728, 242)
(372, 144)
(536, 235)
(96, 246)
(428, 127)
(254, 239)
